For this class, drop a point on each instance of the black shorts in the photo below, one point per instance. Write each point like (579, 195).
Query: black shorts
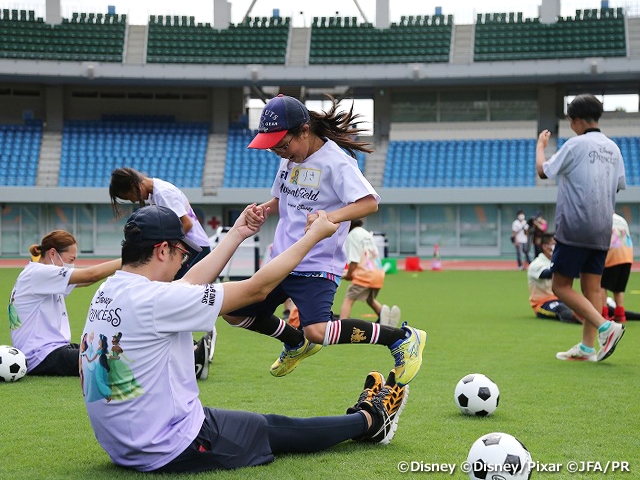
(228, 439)
(62, 362)
(616, 278)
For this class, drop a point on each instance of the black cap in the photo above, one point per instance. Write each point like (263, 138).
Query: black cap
(156, 223)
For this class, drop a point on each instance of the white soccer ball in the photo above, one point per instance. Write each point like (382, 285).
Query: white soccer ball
(499, 456)
(477, 394)
(13, 364)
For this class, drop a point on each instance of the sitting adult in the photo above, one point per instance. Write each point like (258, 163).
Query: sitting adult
(38, 316)
(544, 302)
(145, 410)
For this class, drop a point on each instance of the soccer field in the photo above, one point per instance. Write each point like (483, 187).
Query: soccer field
(477, 321)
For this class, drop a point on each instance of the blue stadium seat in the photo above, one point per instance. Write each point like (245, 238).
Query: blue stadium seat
(158, 147)
(460, 163)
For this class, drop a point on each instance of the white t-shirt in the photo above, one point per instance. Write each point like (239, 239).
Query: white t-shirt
(520, 227)
(38, 313)
(540, 290)
(140, 390)
(168, 195)
(590, 170)
(361, 248)
(327, 180)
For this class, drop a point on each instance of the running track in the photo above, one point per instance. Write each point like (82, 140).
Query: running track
(425, 264)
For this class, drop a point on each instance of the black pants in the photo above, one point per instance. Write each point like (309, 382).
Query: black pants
(62, 362)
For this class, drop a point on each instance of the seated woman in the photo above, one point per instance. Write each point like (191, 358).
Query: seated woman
(37, 311)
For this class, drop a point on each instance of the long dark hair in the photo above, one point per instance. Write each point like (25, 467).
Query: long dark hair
(124, 181)
(104, 350)
(337, 125)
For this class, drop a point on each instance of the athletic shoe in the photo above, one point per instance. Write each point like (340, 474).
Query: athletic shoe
(575, 353)
(385, 315)
(394, 316)
(290, 357)
(372, 385)
(212, 336)
(609, 340)
(407, 354)
(385, 408)
(202, 357)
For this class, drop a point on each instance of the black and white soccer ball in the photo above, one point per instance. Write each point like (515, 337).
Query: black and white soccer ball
(477, 394)
(13, 364)
(499, 456)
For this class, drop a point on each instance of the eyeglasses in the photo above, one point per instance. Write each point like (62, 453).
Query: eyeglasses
(283, 148)
(186, 255)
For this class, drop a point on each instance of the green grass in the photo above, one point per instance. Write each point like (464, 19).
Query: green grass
(477, 321)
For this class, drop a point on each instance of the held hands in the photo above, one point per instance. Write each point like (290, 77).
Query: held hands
(250, 220)
(312, 217)
(321, 227)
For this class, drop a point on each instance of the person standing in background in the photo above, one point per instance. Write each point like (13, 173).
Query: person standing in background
(366, 275)
(617, 268)
(590, 171)
(520, 238)
(537, 228)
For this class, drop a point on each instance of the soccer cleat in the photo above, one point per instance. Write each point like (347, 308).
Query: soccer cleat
(385, 315)
(201, 354)
(290, 357)
(407, 354)
(575, 353)
(609, 340)
(372, 385)
(385, 408)
(394, 316)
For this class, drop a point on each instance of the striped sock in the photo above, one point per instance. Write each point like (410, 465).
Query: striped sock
(351, 330)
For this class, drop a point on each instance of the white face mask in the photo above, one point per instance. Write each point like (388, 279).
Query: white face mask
(521, 217)
(64, 265)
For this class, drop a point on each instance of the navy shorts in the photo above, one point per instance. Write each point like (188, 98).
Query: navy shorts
(571, 261)
(312, 295)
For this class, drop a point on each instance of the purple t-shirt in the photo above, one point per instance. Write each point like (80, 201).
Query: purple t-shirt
(327, 180)
(138, 368)
(37, 311)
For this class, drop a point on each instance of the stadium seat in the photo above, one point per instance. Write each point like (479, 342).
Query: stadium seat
(103, 144)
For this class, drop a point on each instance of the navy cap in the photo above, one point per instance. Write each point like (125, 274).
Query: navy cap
(156, 223)
(280, 115)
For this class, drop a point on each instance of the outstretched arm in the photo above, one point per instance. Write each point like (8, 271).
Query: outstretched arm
(207, 270)
(82, 277)
(256, 288)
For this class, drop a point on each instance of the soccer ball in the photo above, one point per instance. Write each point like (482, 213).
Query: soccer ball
(13, 364)
(498, 456)
(477, 394)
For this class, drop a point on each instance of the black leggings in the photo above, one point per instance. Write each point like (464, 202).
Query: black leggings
(305, 435)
